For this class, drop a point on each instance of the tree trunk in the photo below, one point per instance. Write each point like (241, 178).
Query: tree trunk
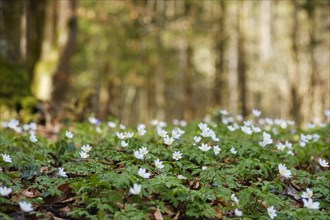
(314, 79)
(241, 63)
(34, 29)
(220, 89)
(296, 100)
(61, 78)
(188, 90)
(160, 71)
(10, 30)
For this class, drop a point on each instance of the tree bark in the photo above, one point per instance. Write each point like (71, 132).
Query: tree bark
(62, 77)
(220, 80)
(160, 71)
(10, 30)
(296, 99)
(241, 62)
(35, 17)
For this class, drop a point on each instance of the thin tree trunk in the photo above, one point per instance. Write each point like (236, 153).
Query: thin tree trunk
(314, 75)
(241, 63)
(296, 101)
(188, 90)
(220, 81)
(160, 71)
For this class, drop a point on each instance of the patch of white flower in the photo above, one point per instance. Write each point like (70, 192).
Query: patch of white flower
(204, 147)
(141, 128)
(197, 139)
(161, 132)
(61, 172)
(69, 134)
(177, 155)
(112, 124)
(84, 151)
(323, 163)
(308, 194)
(216, 149)
(267, 139)
(136, 189)
(143, 173)
(123, 144)
(25, 206)
(284, 171)
(168, 140)
(246, 130)
(159, 164)
(271, 212)
(310, 204)
(6, 158)
(256, 113)
(33, 138)
(5, 191)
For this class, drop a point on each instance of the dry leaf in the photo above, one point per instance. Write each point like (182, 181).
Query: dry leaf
(158, 215)
(218, 212)
(66, 193)
(31, 193)
(290, 190)
(176, 217)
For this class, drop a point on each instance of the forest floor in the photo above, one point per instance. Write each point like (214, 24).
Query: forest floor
(218, 168)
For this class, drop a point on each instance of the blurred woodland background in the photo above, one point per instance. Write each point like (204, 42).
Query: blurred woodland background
(167, 59)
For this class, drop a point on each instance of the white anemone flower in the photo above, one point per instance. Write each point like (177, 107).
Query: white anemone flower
(86, 148)
(271, 212)
(6, 158)
(308, 194)
(233, 150)
(159, 164)
(238, 212)
(143, 173)
(168, 140)
(5, 191)
(138, 155)
(246, 130)
(161, 132)
(136, 189)
(197, 139)
(143, 150)
(216, 149)
(256, 112)
(177, 155)
(69, 134)
(84, 155)
(323, 163)
(120, 135)
(123, 144)
(310, 204)
(141, 129)
(204, 147)
(61, 172)
(284, 171)
(25, 206)
(234, 198)
(112, 124)
(33, 138)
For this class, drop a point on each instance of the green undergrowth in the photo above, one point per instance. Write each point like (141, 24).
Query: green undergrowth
(200, 185)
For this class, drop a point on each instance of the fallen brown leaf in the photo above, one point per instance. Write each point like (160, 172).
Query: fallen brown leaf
(31, 193)
(158, 215)
(176, 217)
(218, 212)
(66, 193)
